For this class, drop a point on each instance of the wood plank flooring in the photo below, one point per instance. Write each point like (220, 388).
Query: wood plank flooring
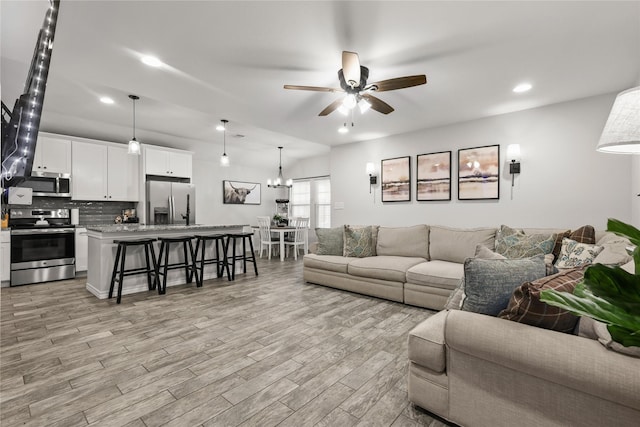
(259, 351)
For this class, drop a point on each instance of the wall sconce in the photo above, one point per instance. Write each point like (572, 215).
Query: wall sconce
(513, 153)
(371, 171)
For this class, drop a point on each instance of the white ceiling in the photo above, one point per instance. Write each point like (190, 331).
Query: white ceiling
(230, 60)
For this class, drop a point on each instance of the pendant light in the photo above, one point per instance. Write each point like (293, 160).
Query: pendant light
(224, 159)
(279, 182)
(134, 145)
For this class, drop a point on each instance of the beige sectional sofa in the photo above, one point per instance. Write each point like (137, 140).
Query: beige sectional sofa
(419, 265)
(478, 370)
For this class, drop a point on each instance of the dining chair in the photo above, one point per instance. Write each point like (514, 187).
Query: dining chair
(266, 240)
(299, 235)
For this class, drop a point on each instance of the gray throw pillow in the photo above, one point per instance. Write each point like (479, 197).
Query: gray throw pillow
(513, 243)
(489, 283)
(330, 241)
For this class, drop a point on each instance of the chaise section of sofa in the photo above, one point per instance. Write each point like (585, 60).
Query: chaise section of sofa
(478, 370)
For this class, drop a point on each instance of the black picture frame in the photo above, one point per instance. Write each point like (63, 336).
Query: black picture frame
(433, 176)
(233, 193)
(479, 173)
(396, 179)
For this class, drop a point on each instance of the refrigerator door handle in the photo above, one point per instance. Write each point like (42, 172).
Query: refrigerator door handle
(171, 212)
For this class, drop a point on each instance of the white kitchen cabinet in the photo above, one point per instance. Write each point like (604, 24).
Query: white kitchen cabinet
(163, 162)
(52, 155)
(5, 246)
(104, 172)
(82, 249)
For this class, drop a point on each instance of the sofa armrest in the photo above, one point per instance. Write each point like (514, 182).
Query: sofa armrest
(426, 343)
(575, 362)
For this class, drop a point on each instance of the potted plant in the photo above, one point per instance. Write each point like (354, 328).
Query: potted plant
(278, 220)
(608, 294)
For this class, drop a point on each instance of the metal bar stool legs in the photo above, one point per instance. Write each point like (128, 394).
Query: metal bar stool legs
(120, 272)
(189, 262)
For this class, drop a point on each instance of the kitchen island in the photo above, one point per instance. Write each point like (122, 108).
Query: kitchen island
(102, 253)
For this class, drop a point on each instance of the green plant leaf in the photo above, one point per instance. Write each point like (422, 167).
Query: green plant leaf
(624, 336)
(615, 285)
(626, 230)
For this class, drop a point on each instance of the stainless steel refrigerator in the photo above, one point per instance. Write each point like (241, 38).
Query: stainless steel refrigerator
(171, 203)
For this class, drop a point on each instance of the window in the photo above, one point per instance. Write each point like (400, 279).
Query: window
(311, 198)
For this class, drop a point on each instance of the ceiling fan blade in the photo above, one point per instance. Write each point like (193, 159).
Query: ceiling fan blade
(378, 104)
(331, 107)
(313, 88)
(399, 83)
(351, 68)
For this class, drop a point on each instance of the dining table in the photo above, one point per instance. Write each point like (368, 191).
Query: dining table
(281, 231)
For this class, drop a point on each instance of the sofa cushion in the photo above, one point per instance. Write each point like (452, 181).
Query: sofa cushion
(359, 241)
(426, 343)
(488, 284)
(392, 268)
(439, 274)
(456, 245)
(330, 241)
(614, 250)
(404, 241)
(525, 305)
(327, 262)
(574, 254)
(513, 243)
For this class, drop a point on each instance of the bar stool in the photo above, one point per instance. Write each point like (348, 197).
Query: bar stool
(120, 273)
(219, 261)
(232, 239)
(189, 262)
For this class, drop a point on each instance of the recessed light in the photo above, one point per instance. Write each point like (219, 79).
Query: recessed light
(151, 61)
(106, 100)
(522, 87)
(343, 129)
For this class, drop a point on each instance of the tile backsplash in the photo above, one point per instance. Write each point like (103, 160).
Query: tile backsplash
(91, 213)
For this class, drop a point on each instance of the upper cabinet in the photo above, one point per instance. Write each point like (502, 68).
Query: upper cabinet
(104, 172)
(52, 155)
(167, 162)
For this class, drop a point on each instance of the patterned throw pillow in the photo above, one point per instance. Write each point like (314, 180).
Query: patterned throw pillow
(489, 283)
(513, 243)
(359, 242)
(525, 305)
(330, 241)
(574, 254)
(585, 234)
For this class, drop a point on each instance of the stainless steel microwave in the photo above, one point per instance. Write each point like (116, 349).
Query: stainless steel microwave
(48, 184)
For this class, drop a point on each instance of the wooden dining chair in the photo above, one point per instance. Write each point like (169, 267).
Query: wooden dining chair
(299, 235)
(266, 240)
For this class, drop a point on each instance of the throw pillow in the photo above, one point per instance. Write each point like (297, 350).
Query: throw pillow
(489, 283)
(557, 245)
(485, 253)
(330, 241)
(525, 305)
(600, 332)
(513, 243)
(585, 234)
(574, 254)
(359, 242)
(614, 250)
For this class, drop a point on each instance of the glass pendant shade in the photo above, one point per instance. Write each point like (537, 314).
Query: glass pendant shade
(134, 147)
(224, 160)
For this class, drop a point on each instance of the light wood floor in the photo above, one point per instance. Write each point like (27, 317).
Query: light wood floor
(262, 351)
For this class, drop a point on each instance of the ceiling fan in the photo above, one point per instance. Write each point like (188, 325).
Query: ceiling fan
(353, 81)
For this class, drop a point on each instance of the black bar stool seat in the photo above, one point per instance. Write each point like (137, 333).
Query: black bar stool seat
(232, 239)
(188, 263)
(119, 271)
(219, 261)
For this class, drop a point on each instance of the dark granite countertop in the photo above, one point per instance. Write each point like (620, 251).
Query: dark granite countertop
(120, 228)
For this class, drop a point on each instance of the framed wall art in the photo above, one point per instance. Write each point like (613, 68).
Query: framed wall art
(396, 179)
(433, 176)
(479, 173)
(241, 193)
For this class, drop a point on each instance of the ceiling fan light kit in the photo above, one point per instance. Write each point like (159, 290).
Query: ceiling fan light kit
(353, 81)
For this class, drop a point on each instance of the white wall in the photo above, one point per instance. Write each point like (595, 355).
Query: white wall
(564, 181)
(208, 177)
(309, 167)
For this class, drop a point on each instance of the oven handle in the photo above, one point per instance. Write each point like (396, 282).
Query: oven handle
(44, 231)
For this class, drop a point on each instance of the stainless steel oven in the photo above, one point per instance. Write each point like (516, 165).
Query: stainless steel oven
(48, 184)
(42, 246)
